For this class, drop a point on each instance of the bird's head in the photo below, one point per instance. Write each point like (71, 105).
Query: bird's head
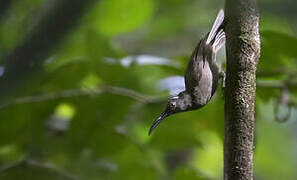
(175, 104)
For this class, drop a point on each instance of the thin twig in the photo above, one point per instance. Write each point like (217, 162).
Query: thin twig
(277, 84)
(33, 163)
(276, 72)
(145, 99)
(81, 92)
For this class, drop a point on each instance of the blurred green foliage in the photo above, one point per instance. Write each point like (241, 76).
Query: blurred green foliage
(103, 135)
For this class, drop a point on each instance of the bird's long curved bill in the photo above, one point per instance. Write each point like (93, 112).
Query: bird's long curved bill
(157, 121)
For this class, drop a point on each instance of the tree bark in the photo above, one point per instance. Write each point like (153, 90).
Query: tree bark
(243, 50)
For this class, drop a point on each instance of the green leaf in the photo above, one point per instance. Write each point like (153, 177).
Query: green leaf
(132, 165)
(277, 49)
(209, 158)
(119, 16)
(185, 173)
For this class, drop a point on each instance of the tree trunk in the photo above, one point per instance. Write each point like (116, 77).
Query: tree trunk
(243, 50)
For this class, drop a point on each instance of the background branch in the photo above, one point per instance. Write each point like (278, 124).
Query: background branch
(81, 92)
(30, 163)
(26, 59)
(276, 72)
(142, 98)
(277, 84)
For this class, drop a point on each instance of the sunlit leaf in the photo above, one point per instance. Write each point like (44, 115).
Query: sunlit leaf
(118, 16)
(209, 158)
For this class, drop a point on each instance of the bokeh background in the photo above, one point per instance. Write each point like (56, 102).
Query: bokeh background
(86, 111)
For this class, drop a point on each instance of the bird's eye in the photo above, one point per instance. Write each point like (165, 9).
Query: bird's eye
(171, 105)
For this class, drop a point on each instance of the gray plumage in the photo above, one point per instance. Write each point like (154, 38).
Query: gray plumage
(201, 76)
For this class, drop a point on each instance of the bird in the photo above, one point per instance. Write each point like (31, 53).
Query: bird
(201, 76)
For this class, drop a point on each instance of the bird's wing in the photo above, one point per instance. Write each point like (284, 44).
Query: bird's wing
(193, 74)
(216, 25)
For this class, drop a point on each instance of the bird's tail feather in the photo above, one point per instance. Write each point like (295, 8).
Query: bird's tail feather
(219, 41)
(216, 25)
